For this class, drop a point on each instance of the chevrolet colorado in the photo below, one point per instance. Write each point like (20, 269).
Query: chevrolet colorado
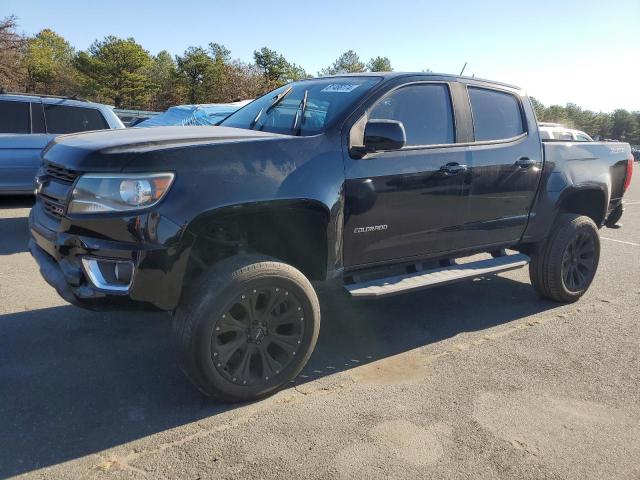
(375, 182)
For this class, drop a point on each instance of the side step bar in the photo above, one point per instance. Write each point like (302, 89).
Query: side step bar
(432, 278)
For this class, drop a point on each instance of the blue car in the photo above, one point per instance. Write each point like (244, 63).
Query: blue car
(29, 122)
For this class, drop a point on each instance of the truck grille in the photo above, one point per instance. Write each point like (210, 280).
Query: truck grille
(52, 207)
(57, 183)
(61, 174)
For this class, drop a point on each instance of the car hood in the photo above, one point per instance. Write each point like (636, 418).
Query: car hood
(109, 147)
(143, 139)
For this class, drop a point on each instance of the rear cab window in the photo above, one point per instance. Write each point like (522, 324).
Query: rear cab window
(497, 115)
(14, 117)
(63, 119)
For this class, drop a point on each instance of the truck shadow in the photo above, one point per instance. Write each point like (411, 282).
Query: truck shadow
(14, 231)
(75, 382)
(16, 201)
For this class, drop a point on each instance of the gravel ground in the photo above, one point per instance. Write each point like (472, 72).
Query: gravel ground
(475, 380)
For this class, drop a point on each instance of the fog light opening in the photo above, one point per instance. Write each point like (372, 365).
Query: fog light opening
(123, 272)
(109, 275)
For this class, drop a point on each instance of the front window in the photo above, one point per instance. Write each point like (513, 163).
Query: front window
(322, 100)
(424, 110)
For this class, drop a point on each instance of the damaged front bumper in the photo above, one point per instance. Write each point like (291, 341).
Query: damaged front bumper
(68, 260)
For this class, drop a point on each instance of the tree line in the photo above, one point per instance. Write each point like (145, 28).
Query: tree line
(617, 125)
(120, 72)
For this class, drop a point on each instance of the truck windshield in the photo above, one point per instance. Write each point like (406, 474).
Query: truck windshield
(303, 108)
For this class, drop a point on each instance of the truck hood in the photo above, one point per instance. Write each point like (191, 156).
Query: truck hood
(109, 147)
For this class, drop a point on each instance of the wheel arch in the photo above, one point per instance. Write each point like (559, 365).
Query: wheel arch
(294, 231)
(591, 200)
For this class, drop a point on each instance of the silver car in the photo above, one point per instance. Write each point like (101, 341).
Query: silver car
(29, 122)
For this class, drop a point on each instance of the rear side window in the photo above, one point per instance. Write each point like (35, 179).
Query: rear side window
(423, 109)
(67, 119)
(14, 117)
(496, 115)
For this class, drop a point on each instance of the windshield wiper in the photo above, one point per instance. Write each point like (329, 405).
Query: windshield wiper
(279, 98)
(255, 119)
(276, 101)
(298, 121)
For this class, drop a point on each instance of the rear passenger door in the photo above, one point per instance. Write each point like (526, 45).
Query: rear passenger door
(22, 138)
(505, 167)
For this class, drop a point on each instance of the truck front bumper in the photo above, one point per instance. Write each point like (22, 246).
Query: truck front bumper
(80, 295)
(158, 266)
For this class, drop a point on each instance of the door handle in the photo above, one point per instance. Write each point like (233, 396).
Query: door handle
(525, 162)
(453, 168)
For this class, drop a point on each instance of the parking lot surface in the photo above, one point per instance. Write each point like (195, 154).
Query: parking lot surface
(474, 380)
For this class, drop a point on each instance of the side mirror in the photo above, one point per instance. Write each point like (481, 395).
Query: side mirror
(384, 135)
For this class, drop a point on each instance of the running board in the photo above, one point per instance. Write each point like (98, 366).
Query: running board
(432, 278)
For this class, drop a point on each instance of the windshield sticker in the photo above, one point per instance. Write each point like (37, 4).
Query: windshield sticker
(340, 88)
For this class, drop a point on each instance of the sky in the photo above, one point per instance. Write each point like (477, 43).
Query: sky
(581, 51)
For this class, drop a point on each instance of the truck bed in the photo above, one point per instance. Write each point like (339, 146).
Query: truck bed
(589, 162)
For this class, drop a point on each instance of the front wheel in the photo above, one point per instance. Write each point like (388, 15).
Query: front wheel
(247, 329)
(563, 267)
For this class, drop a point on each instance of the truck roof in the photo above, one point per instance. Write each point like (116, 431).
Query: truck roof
(449, 76)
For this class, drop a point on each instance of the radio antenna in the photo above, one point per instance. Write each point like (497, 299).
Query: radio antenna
(463, 67)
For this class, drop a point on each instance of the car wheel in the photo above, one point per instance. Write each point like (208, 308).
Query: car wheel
(247, 328)
(563, 267)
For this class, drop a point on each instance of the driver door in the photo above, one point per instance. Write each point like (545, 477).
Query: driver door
(408, 202)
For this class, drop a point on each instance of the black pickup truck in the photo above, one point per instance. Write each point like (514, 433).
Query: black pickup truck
(376, 183)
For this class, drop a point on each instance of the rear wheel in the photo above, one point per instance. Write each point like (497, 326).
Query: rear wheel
(248, 328)
(563, 267)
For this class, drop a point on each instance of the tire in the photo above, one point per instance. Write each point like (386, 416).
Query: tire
(563, 267)
(246, 328)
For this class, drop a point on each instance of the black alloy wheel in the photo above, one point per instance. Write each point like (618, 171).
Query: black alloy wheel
(258, 336)
(578, 262)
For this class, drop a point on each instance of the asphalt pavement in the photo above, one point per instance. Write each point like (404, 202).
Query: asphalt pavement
(479, 379)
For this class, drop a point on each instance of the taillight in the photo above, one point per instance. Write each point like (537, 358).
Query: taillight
(627, 178)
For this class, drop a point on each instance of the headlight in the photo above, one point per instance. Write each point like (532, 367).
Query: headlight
(96, 193)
